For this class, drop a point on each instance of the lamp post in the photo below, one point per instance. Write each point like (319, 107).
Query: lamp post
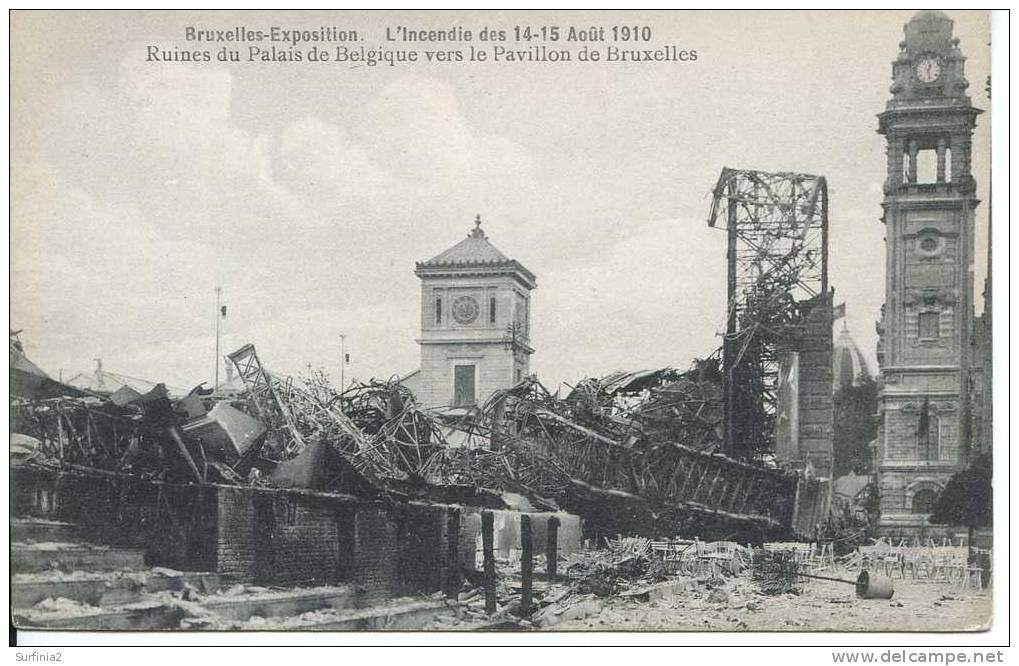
(218, 292)
(514, 341)
(343, 361)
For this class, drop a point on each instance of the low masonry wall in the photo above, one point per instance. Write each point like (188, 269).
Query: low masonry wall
(248, 534)
(175, 525)
(291, 538)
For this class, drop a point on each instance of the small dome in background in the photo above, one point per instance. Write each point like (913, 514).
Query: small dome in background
(847, 360)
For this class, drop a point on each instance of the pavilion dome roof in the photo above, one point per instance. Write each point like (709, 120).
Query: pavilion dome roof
(848, 362)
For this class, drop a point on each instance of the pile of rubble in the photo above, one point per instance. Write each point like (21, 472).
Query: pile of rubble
(644, 440)
(595, 585)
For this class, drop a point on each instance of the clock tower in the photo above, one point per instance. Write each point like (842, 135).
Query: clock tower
(926, 322)
(475, 324)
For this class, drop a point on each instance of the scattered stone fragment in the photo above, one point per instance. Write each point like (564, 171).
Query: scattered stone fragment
(718, 596)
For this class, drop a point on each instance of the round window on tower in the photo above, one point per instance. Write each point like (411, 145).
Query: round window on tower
(465, 309)
(930, 245)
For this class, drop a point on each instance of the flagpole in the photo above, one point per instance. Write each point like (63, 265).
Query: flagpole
(218, 290)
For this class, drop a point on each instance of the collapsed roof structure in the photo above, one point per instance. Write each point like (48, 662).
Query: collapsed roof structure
(633, 452)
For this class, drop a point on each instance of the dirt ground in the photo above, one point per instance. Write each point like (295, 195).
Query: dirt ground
(917, 605)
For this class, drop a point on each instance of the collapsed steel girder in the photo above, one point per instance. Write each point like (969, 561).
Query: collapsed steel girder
(622, 460)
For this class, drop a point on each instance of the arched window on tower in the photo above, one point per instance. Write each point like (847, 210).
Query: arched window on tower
(923, 501)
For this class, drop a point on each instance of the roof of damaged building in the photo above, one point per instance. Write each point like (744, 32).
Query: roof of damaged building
(106, 382)
(473, 253)
(851, 485)
(28, 380)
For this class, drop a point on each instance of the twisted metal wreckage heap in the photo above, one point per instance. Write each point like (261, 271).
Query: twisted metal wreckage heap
(634, 453)
(609, 450)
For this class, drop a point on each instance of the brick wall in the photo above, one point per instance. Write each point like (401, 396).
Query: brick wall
(279, 538)
(235, 536)
(376, 554)
(255, 535)
(304, 540)
(400, 551)
(424, 552)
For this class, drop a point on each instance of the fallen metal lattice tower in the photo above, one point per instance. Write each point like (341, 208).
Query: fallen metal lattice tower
(376, 427)
(777, 260)
(263, 392)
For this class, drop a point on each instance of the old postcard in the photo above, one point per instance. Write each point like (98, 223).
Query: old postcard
(451, 321)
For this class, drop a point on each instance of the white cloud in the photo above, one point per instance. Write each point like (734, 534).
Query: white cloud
(119, 243)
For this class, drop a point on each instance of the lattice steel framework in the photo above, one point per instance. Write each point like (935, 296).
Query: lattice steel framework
(777, 258)
(263, 392)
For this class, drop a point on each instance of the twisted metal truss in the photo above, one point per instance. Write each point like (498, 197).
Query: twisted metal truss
(777, 259)
(263, 393)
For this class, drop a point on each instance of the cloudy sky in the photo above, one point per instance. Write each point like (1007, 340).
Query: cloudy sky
(307, 191)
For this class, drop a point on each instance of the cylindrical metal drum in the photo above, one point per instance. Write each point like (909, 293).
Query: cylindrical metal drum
(874, 586)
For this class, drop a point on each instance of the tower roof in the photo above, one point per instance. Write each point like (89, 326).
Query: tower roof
(475, 249)
(474, 253)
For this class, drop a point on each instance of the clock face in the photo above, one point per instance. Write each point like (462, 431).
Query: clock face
(928, 69)
(465, 309)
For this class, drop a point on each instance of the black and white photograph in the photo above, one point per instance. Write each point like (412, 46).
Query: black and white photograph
(513, 321)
